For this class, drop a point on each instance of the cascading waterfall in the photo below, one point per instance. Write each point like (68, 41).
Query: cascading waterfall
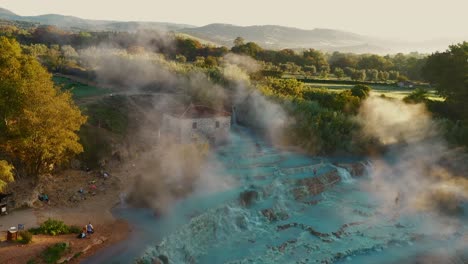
(368, 166)
(344, 174)
(341, 225)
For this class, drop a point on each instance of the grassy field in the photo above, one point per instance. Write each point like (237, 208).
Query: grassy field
(389, 91)
(79, 90)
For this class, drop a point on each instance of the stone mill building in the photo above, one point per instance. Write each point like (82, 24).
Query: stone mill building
(197, 123)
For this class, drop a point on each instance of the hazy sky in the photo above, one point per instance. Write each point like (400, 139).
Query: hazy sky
(401, 19)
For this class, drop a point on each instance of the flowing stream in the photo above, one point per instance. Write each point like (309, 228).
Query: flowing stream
(275, 222)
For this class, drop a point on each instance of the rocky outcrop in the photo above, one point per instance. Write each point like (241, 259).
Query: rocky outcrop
(310, 229)
(161, 259)
(71, 256)
(273, 216)
(247, 198)
(356, 169)
(315, 185)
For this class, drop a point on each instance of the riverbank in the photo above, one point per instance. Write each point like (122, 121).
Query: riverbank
(94, 204)
(104, 237)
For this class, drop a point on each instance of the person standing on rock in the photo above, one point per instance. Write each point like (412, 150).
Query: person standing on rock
(89, 228)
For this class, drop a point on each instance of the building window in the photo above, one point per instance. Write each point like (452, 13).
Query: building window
(194, 125)
(217, 124)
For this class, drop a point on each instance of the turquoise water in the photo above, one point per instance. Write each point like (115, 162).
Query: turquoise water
(343, 224)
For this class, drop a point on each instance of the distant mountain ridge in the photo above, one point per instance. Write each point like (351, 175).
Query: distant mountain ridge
(272, 36)
(76, 23)
(267, 36)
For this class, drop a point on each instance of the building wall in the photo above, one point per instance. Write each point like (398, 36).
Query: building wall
(182, 129)
(171, 126)
(206, 129)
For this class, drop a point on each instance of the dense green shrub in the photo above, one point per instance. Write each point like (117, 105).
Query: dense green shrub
(343, 101)
(362, 91)
(419, 95)
(290, 88)
(321, 130)
(323, 120)
(54, 227)
(25, 237)
(53, 253)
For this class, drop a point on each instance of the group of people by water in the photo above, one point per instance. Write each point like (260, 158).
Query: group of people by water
(86, 231)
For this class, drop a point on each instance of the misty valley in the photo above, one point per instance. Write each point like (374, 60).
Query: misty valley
(169, 143)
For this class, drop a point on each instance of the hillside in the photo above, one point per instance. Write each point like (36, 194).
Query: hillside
(274, 35)
(76, 23)
(267, 36)
(7, 14)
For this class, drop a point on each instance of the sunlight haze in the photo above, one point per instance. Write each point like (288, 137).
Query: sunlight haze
(414, 20)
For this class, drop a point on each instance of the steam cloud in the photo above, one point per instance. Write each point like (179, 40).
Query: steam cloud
(416, 175)
(160, 171)
(254, 109)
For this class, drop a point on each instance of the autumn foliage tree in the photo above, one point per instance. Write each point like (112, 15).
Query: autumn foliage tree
(6, 174)
(39, 123)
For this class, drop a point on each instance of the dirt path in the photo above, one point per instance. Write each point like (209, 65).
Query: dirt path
(25, 217)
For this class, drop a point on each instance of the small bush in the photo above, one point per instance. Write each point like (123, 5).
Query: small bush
(419, 95)
(54, 227)
(25, 237)
(362, 91)
(53, 253)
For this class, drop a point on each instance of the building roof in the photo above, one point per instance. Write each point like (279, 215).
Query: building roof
(200, 111)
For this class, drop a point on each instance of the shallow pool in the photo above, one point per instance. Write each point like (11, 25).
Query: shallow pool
(343, 224)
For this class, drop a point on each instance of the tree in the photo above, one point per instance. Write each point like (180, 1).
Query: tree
(342, 60)
(448, 71)
(35, 50)
(349, 71)
(290, 67)
(419, 95)
(239, 41)
(284, 87)
(181, 58)
(310, 69)
(54, 59)
(393, 75)
(372, 75)
(70, 53)
(199, 61)
(188, 47)
(39, 122)
(383, 75)
(339, 73)
(250, 48)
(315, 57)
(359, 75)
(6, 174)
(211, 61)
(362, 91)
(374, 62)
